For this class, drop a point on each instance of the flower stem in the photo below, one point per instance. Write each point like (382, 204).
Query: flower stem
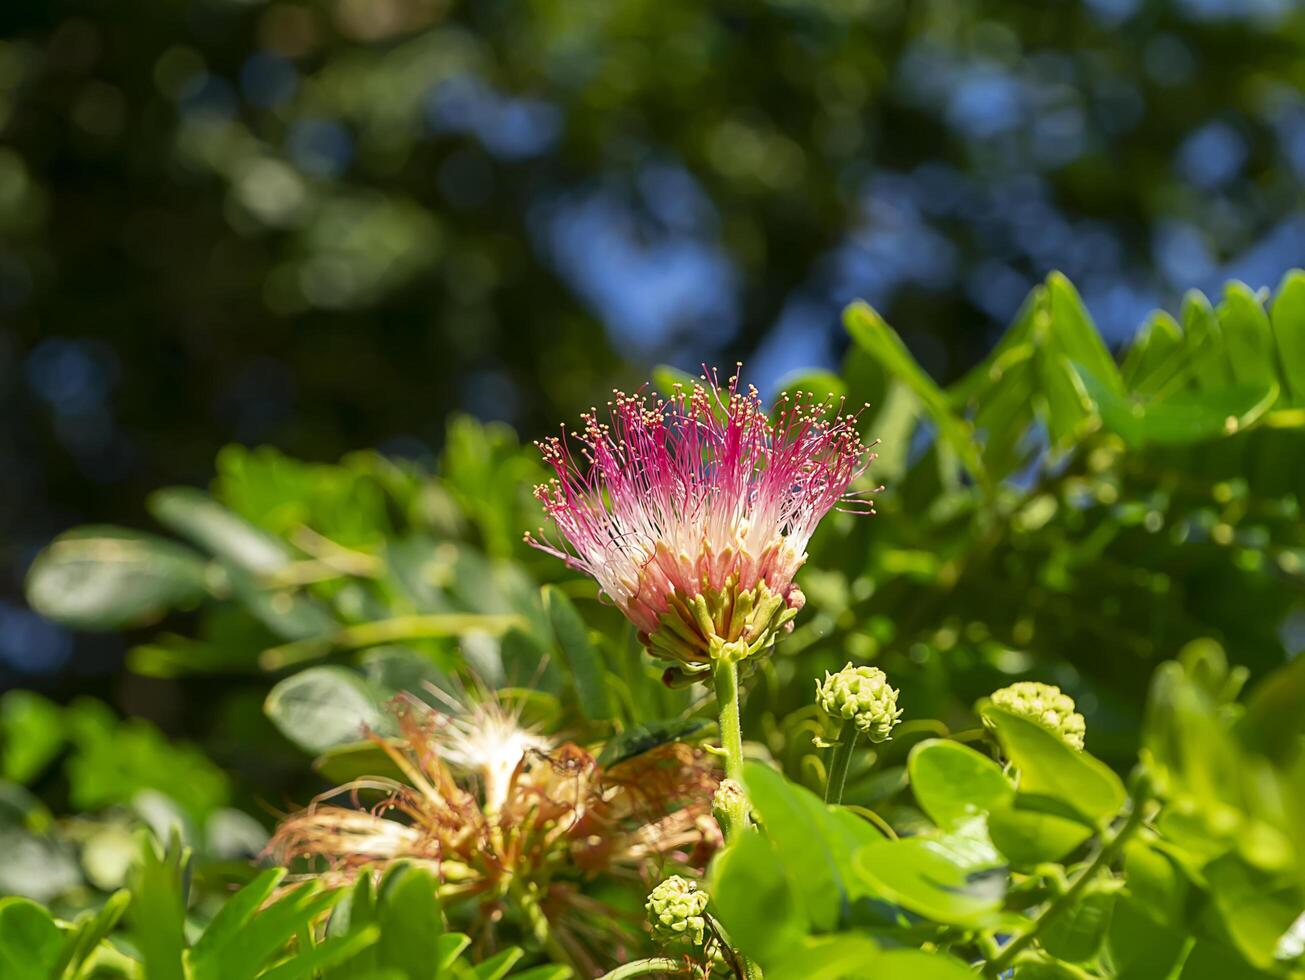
(726, 675)
(527, 902)
(838, 764)
(639, 968)
(1109, 851)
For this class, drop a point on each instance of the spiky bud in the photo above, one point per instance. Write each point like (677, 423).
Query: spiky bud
(675, 912)
(1045, 705)
(863, 696)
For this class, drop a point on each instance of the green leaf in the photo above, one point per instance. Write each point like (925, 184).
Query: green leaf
(814, 381)
(825, 958)
(1005, 410)
(580, 655)
(1182, 418)
(927, 877)
(879, 340)
(1215, 961)
(306, 963)
(259, 937)
(1075, 334)
(200, 519)
(398, 669)
(1257, 908)
(545, 973)
(411, 921)
(353, 913)
(89, 930)
(106, 578)
(665, 378)
(344, 763)
(1047, 970)
(1154, 358)
(158, 909)
(1288, 319)
(639, 739)
(797, 822)
(228, 926)
(113, 761)
(954, 784)
(1141, 948)
(754, 899)
(1155, 883)
(498, 965)
(1049, 767)
(323, 707)
(31, 735)
(1273, 720)
(449, 947)
(1077, 933)
(30, 944)
(1205, 345)
(1029, 830)
(914, 964)
(1247, 336)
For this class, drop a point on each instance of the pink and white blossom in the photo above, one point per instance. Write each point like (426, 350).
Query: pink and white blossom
(701, 493)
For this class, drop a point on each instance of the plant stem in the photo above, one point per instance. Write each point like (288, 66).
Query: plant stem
(726, 675)
(525, 899)
(1109, 851)
(838, 764)
(638, 968)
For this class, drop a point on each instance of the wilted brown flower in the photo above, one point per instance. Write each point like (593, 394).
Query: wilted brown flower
(502, 816)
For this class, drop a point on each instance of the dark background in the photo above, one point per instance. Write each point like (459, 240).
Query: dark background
(328, 225)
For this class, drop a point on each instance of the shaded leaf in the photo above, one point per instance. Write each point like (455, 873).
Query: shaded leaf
(104, 578)
(585, 663)
(323, 707)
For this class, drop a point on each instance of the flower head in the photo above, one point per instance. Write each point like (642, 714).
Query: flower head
(675, 912)
(863, 696)
(693, 512)
(485, 802)
(1045, 705)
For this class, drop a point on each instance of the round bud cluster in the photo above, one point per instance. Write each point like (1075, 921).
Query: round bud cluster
(862, 696)
(675, 912)
(1045, 705)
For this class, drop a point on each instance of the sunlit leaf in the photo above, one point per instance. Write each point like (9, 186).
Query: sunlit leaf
(929, 878)
(1049, 767)
(954, 784)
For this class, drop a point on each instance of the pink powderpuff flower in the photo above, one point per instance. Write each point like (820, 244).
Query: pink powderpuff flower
(693, 512)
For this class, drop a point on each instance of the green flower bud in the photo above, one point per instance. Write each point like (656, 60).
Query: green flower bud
(729, 805)
(1045, 705)
(863, 696)
(675, 912)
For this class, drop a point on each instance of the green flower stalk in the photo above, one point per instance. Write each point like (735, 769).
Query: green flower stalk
(676, 910)
(1044, 705)
(862, 701)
